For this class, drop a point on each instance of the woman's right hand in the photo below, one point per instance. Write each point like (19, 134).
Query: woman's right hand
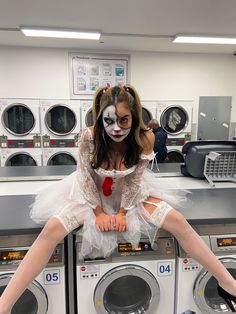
(103, 221)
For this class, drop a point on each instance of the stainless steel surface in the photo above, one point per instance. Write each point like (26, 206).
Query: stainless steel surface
(44, 173)
(40, 173)
(214, 117)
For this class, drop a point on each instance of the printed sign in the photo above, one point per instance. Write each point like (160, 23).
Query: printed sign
(89, 72)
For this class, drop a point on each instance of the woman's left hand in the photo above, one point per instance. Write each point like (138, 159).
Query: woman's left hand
(119, 222)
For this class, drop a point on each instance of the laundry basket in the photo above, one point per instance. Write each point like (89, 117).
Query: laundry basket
(220, 166)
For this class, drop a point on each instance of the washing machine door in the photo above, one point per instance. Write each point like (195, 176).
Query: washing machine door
(20, 159)
(127, 289)
(18, 119)
(62, 158)
(33, 300)
(174, 119)
(174, 155)
(60, 119)
(205, 290)
(146, 115)
(89, 118)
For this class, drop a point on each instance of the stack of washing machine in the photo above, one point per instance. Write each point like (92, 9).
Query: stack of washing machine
(148, 112)
(60, 129)
(175, 118)
(20, 140)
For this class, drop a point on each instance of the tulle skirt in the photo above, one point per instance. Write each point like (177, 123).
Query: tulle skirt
(64, 200)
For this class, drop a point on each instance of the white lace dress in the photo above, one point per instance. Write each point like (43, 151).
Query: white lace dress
(73, 199)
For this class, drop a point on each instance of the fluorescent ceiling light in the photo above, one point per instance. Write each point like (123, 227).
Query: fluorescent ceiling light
(59, 33)
(191, 39)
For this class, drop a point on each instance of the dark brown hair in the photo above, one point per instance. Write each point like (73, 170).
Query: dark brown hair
(153, 124)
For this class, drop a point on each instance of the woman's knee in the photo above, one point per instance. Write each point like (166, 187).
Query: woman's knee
(53, 230)
(175, 222)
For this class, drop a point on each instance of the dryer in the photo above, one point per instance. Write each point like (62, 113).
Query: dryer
(86, 113)
(174, 154)
(60, 122)
(149, 111)
(174, 149)
(175, 117)
(59, 156)
(196, 289)
(46, 294)
(20, 125)
(21, 157)
(129, 281)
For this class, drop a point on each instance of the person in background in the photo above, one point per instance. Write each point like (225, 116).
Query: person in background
(160, 140)
(112, 193)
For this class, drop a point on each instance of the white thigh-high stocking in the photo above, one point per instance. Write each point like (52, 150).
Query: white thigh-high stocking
(193, 245)
(33, 263)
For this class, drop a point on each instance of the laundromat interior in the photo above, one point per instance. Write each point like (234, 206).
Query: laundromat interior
(47, 86)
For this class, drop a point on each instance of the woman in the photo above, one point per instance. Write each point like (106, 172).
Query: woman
(160, 140)
(110, 194)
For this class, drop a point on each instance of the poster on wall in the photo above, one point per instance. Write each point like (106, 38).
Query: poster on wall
(89, 72)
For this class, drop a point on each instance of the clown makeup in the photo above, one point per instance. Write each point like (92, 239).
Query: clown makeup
(117, 121)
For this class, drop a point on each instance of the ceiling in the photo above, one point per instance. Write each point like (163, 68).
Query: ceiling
(126, 25)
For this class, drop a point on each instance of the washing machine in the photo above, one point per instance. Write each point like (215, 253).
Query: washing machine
(175, 117)
(60, 156)
(21, 157)
(86, 113)
(129, 281)
(196, 289)
(46, 294)
(60, 122)
(174, 149)
(20, 125)
(149, 111)
(174, 154)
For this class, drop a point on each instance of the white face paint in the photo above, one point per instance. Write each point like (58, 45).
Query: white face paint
(117, 127)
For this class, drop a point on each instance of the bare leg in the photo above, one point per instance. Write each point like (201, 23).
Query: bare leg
(193, 245)
(33, 263)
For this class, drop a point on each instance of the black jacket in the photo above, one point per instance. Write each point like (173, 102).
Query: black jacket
(160, 144)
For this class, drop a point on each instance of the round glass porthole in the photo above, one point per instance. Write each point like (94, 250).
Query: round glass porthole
(18, 119)
(174, 156)
(205, 290)
(127, 289)
(60, 120)
(20, 159)
(89, 118)
(174, 120)
(61, 158)
(146, 115)
(32, 301)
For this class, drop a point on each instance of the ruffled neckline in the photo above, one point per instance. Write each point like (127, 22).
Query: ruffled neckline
(114, 172)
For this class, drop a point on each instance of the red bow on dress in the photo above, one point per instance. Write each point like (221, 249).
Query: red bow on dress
(106, 186)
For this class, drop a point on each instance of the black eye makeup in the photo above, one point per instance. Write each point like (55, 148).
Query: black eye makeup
(108, 120)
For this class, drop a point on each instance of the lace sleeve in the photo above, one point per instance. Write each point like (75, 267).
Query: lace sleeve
(85, 173)
(132, 183)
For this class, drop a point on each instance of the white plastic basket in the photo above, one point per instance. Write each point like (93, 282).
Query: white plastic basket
(220, 166)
